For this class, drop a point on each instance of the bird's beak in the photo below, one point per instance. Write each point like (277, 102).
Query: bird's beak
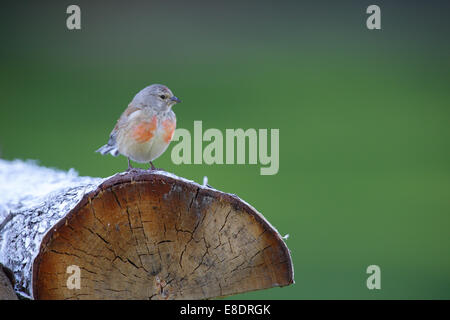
(175, 99)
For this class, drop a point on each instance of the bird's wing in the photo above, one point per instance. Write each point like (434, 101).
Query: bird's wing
(126, 114)
(130, 110)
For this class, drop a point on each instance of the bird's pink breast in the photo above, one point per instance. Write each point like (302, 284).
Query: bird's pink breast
(145, 130)
(169, 129)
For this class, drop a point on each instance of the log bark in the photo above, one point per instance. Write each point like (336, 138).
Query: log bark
(139, 235)
(6, 285)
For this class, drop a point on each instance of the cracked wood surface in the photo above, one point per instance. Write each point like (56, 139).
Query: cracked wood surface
(145, 235)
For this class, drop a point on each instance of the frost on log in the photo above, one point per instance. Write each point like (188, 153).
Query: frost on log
(136, 235)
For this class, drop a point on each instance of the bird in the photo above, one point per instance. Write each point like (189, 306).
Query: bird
(146, 127)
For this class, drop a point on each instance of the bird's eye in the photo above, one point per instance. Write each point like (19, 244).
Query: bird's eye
(163, 97)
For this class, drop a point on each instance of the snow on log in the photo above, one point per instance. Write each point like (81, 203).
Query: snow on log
(136, 235)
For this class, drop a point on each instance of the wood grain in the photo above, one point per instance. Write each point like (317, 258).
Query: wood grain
(146, 235)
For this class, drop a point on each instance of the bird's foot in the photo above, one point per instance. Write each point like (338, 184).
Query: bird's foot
(153, 168)
(130, 167)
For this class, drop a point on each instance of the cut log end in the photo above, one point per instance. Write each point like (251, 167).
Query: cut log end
(148, 235)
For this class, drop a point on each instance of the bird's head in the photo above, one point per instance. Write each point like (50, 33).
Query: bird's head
(157, 97)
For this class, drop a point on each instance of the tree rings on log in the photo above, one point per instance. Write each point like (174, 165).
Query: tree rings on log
(151, 235)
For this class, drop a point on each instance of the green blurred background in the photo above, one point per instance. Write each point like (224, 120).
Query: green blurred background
(363, 116)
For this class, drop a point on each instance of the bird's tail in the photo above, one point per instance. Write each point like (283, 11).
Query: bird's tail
(108, 149)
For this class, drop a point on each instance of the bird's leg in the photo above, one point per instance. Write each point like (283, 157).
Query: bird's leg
(152, 166)
(129, 165)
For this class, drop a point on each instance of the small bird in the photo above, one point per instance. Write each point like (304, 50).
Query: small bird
(145, 129)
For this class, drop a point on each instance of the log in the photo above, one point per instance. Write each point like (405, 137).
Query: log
(6, 282)
(136, 235)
